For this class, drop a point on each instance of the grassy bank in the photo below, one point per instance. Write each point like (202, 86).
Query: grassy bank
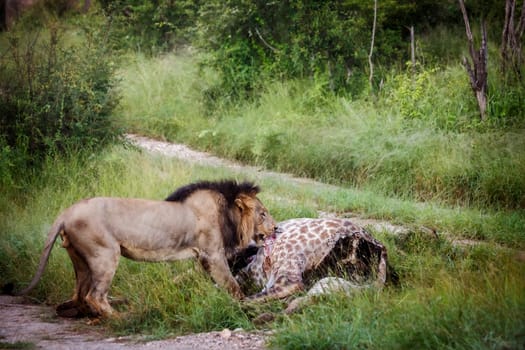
(445, 304)
(420, 145)
(452, 296)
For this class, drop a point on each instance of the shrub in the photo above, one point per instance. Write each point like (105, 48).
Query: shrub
(440, 97)
(55, 96)
(151, 27)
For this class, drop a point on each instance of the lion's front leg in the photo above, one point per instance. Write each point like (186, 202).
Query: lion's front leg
(217, 266)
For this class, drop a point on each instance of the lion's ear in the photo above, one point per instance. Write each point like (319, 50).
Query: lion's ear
(241, 202)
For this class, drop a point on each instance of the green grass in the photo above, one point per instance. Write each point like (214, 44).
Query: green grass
(17, 345)
(412, 155)
(448, 296)
(417, 142)
(397, 159)
(161, 95)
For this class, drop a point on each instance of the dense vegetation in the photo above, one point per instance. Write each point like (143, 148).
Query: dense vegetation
(284, 85)
(57, 93)
(298, 73)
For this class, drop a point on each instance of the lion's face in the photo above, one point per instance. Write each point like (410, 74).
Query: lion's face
(256, 221)
(264, 223)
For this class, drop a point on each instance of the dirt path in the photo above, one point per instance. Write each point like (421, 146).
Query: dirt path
(29, 326)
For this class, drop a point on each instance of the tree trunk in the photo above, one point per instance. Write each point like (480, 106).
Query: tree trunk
(511, 38)
(413, 52)
(477, 71)
(370, 63)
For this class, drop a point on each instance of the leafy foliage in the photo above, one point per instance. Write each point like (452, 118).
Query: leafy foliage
(152, 26)
(283, 85)
(55, 97)
(249, 42)
(315, 39)
(286, 40)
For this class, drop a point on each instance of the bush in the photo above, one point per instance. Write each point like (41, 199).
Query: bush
(439, 97)
(152, 27)
(329, 40)
(55, 96)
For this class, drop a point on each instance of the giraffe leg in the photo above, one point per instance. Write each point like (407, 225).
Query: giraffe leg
(282, 288)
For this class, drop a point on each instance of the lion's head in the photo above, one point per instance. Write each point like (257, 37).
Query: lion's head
(244, 218)
(256, 223)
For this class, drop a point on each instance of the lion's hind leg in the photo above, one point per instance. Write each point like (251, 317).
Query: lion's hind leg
(102, 270)
(77, 307)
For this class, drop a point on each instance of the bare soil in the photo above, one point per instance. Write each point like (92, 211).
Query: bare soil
(24, 325)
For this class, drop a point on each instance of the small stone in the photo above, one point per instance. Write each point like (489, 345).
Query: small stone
(226, 333)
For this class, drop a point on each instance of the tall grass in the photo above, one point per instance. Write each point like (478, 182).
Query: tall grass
(161, 96)
(418, 142)
(448, 298)
(447, 294)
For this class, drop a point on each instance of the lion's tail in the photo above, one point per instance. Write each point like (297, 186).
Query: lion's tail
(55, 230)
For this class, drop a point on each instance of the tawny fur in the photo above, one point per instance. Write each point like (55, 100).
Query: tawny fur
(96, 231)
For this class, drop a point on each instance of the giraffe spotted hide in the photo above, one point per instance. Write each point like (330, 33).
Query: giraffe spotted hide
(303, 251)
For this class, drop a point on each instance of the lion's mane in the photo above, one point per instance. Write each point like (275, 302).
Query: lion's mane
(234, 233)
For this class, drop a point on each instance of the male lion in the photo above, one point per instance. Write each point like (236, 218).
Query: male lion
(209, 218)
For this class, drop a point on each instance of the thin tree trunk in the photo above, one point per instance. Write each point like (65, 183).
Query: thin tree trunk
(519, 34)
(370, 63)
(511, 38)
(413, 51)
(265, 42)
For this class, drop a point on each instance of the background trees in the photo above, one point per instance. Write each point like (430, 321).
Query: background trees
(319, 51)
(329, 41)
